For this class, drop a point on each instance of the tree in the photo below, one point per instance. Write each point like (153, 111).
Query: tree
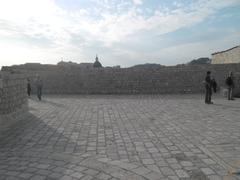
(203, 60)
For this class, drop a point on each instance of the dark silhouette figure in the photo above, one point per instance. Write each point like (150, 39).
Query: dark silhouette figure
(214, 85)
(39, 88)
(230, 85)
(97, 64)
(28, 87)
(208, 87)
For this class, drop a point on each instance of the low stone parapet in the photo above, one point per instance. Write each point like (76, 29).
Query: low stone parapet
(13, 99)
(163, 80)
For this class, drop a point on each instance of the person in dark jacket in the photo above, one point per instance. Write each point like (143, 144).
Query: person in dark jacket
(214, 85)
(39, 88)
(230, 85)
(208, 87)
(28, 87)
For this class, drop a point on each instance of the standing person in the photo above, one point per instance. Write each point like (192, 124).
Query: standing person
(39, 88)
(208, 86)
(230, 85)
(28, 87)
(214, 85)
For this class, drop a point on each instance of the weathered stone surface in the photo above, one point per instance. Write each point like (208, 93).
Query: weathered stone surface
(193, 140)
(163, 80)
(228, 56)
(13, 99)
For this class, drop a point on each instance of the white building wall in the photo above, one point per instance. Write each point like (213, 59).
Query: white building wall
(230, 56)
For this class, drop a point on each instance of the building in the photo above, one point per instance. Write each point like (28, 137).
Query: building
(228, 56)
(73, 64)
(97, 64)
(66, 64)
(86, 65)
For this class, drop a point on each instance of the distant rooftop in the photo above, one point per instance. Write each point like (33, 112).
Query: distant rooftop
(225, 50)
(70, 63)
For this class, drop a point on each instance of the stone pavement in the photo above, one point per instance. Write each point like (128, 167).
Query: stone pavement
(124, 137)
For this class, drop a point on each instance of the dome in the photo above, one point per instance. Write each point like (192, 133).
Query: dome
(97, 64)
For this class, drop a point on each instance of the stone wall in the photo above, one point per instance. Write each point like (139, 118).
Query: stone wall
(175, 79)
(13, 99)
(229, 56)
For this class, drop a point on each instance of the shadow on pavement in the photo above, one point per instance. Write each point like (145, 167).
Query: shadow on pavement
(34, 148)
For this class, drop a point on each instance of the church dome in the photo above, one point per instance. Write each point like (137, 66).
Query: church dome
(97, 64)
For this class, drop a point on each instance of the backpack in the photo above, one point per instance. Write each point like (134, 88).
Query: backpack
(228, 81)
(214, 85)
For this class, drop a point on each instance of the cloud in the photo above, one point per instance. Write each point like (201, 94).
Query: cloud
(137, 2)
(119, 26)
(32, 17)
(34, 23)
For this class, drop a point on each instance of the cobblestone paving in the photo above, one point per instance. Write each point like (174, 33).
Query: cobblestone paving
(124, 137)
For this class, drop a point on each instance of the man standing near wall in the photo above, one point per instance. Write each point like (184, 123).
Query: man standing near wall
(39, 88)
(208, 86)
(230, 84)
(28, 87)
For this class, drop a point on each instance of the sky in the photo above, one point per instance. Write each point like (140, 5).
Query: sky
(121, 32)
